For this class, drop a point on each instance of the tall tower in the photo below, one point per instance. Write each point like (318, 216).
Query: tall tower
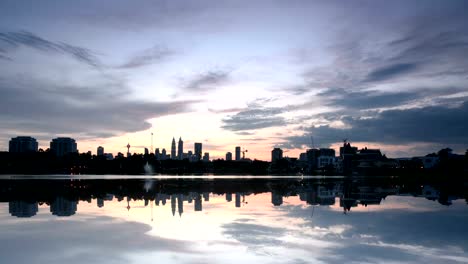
(238, 152)
(180, 149)
(198, 151)
(128, 150)
(173, 149)
(100, 151)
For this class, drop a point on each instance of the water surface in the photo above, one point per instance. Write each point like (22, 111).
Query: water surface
(231, 220)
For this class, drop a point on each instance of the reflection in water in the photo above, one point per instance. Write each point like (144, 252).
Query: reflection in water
(64, 195)
(230, 221)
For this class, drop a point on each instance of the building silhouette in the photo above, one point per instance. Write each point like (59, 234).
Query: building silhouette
(276, 154)
(198, 151)
(157, 154)
(100, 151)
(23, 144)
(238, 153)
(229, 156)
(206, 157)
(180, 149)
(63, 145)
(173, 149)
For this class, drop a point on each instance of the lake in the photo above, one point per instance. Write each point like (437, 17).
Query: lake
(126, 219)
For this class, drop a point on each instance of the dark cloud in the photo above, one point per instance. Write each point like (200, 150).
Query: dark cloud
(153, 55)
(207, 81)
(437, 124)
(3, 57)
(36, 106)
(255, 118)
(23, 38)
(391, 71)
(362, 100)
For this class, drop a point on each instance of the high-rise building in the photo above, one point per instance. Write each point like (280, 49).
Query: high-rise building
(206, 157)
(312, 156)
(238, 153)
(229, 156)
(100, 151)
(180, 149)
(63, 145)
(157, 155)
(23, 144)
(163, 154)
(303, 156)
(198, 151)
(173, 149)
(146, 151)
(327, 152)
(276, 154)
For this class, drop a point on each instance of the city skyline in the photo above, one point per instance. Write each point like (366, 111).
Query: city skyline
(260, 75)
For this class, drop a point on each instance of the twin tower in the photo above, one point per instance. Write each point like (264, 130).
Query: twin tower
(180, 149)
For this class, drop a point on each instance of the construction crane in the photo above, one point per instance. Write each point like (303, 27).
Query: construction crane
(243, 153)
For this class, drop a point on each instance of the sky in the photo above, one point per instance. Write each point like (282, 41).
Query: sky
(255, 74)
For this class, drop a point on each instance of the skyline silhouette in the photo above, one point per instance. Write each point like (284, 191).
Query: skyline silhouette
(263, 74)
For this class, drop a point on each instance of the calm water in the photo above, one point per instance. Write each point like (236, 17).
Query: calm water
(231, 220)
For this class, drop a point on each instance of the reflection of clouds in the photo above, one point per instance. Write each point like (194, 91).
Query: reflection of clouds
(254, 234)
(98, 240)
(428, 252)
(393, 234)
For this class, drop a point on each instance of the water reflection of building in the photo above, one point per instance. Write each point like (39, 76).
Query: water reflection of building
(228, 197)
(63, 207)
(198, 203)
(22, 208)
(173, 204)
(276, 199)
(180, 204)
(100, 202)
(238, 200)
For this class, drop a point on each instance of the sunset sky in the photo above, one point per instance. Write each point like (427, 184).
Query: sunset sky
(256, 74)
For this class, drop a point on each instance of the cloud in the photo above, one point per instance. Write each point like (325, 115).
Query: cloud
(371, 99)
(391, 71)
(255, 118)
(153, 55)
(226, 110)
(433, 124)
(245, 133)
(23, 38)
(30, 106)
(254, 235)
(207, 81)
(91, 240)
